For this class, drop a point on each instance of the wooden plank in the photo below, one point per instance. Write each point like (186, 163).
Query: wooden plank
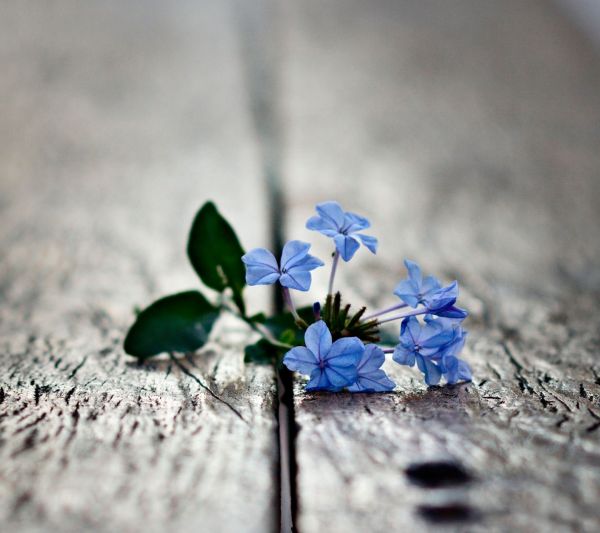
(468, 133)
(118, 121)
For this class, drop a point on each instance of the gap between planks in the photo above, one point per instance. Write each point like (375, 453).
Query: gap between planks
(259, 27)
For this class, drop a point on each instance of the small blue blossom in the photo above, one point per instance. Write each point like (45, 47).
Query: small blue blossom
(451, 311)
(330, 365)
(294, 273)
(342, 226)
(434, 346)
(453, 368)
(371, 377)
(416, 290)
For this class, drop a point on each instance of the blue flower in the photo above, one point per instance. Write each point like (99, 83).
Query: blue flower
(416, 290)
(453, 368)
(434, 347)
(342, 226)
(371, 378)
(330, 365)
(294, 273)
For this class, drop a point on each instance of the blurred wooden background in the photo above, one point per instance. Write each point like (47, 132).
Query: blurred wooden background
(468, 131)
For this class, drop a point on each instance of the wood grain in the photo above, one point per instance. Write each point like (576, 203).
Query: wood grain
(118, 122)
(468, 133)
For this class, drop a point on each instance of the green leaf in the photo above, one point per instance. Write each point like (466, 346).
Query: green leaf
(178, 323)
(216, 254)
(289, 336)
(259, 318)
(261, 353)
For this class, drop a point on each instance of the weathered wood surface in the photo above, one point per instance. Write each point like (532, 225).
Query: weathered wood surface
(468, 132)
(117, 122)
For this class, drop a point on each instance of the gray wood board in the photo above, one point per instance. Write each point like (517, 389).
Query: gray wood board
(118, 121)
(468, 132)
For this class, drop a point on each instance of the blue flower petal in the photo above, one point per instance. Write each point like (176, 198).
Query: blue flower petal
(407, 292)
(301, 360)
(298, 276)
(310, 262)
(410, 331)
(433, 339)
(464, 371)
(414, 271)
(326, 227)
(341, 376)
(331, 212)
(293, 253)
(430, 284)
(260, 276)
(319, 381)
(345, 352)
(442, 298)
(298, 280)
(369, 242)
(452, 312)
(430, 370)
(346, 245)
(371, 360)
(371, 378)
(260, 256)
(448, 366)
(354, 223)
(296, 263)
(318, 339)
(376, 381)
(404, 356)
(454, 347)
(261, 267)
(457, 370)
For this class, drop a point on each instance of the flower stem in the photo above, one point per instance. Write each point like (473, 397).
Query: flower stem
(287, 298)
(336, 257)
(266, 334)
(421, 310)
(259, 328)
(385, 311)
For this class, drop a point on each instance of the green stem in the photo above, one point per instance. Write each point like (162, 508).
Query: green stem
(259, 328)
(287, 297)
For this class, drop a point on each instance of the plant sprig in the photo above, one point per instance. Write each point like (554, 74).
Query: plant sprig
(182, 322)
(331, 343)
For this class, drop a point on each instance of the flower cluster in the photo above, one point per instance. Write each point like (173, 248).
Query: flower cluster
(340, 347)
(345, 363)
